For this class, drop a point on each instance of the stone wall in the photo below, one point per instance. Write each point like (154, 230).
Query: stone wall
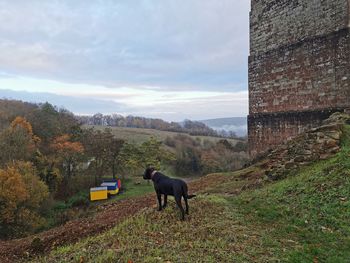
(267, 130)
(276, 23)
(308, 75)
(321, 142)
(299, 67)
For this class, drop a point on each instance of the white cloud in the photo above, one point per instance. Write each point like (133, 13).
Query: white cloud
(125, 43)
(171, 59)
(215, 106)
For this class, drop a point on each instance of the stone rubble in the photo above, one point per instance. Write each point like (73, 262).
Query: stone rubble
(320, 143)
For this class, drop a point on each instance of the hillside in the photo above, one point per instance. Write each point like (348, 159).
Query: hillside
(193, 154)
(243, 216)
(139, 135)
(117, 120)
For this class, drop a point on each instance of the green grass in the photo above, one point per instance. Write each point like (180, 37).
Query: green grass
(312, 209)
(133, 188)
(303, 218)
(80, 206)
(307, 209)
(160, 236)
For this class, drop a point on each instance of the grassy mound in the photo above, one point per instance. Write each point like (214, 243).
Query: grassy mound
(303, 218)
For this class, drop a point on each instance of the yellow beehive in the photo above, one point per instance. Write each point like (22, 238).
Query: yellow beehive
(98, 193)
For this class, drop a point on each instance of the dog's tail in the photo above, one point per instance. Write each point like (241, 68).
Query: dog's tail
(190, 196)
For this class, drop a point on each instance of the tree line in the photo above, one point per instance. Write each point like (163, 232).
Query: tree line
(187, 126)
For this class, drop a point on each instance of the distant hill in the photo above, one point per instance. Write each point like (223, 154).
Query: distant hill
(140, 135)
(238, 125)
(116, 120)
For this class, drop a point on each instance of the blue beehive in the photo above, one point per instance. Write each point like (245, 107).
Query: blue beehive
(112, 186)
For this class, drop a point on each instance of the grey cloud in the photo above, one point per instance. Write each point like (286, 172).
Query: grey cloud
(74, 104)
(187, 44)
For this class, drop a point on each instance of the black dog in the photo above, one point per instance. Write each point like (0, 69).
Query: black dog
(165, 185)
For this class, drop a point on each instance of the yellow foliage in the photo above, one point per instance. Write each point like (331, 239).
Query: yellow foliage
(24, 124)
(36, 189)
(21, 194)
(12, 193)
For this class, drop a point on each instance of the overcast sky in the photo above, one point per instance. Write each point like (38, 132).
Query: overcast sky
(172, 59)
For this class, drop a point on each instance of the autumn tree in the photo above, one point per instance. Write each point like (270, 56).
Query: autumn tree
(114, 149)
(97, 150)
(9, 109)
(47, 170)
(68, 153)
(46, 124)
(154, 154)
(209, 161)
(50, 122)
(188, 154)
(102, 151)
(17, 142)
(135, 158)
(21, 195)
(130, 158)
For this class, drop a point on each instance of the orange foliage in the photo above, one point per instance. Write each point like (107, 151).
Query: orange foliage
(63, 144)
(24, 124)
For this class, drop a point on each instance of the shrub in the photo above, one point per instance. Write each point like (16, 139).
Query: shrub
(79, 200)
(21, 195)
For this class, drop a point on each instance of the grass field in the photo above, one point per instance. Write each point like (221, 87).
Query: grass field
(303, 218)
(138, 135)
(133, 188)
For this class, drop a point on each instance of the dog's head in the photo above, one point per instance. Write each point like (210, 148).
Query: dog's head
(147, 175)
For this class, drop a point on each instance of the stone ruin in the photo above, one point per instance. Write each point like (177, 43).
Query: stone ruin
(319, 143)
(299, 67)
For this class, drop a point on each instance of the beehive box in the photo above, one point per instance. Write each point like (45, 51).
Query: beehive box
(112, 187)
(98, 193)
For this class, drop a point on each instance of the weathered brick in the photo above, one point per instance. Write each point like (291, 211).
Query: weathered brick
(299, 67)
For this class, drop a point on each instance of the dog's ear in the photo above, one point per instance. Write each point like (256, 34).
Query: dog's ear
(147, 173)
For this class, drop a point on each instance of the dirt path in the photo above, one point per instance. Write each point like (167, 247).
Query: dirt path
(108, 215)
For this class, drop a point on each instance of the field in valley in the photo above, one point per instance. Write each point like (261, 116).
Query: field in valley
(139, 135)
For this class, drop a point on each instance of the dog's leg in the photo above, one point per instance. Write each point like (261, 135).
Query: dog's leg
(186, 203)
(178, 202)
(159, 197)
(165, 201)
